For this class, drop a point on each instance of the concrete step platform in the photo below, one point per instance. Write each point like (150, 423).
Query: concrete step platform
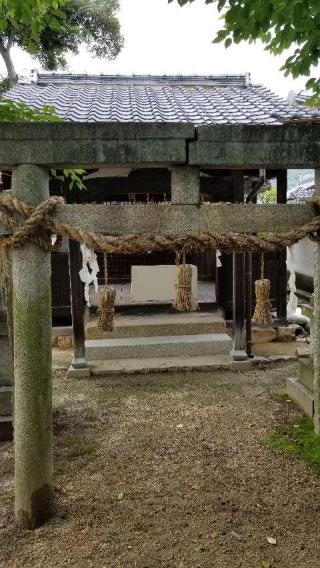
(163, 346)
(159, 324)
(124, 367)
(301, 395)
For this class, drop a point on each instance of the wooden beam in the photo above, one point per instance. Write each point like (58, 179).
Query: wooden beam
(167, 218)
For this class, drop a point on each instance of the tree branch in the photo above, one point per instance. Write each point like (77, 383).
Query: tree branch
(10, 38)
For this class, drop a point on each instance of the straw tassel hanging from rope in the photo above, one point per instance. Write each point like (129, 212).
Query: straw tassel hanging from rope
(185, 300)
(262, 313)
(106, 302)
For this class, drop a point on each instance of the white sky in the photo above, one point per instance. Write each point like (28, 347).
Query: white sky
(165, 38)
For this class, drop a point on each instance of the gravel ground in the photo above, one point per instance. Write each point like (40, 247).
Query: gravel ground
(170, 472)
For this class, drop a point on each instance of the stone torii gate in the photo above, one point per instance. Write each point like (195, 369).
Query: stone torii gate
(30, 150)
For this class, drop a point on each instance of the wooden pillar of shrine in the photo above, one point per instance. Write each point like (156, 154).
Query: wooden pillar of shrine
(316, 323)
(77, 306)
(282, 254)
(77, 300)
(239, 322)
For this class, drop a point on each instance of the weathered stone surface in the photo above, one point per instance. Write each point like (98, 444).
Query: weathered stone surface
(305, 372)
(185, 185)
(286, 333)
(168, 346)
(277, 146)
(159, 324)
(303, 350)
(167, 218)
(263, 334)
(148, 366)
(90, 145)
(300, 395)
(31, 277)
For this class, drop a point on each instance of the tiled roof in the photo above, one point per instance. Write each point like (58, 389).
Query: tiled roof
(44, 79)
(197, 100)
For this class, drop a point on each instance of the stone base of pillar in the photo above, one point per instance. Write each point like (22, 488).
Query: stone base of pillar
(79, 363)
(78, 373)
(239, 355)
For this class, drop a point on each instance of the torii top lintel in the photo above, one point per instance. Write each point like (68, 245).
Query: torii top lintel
(57, 145)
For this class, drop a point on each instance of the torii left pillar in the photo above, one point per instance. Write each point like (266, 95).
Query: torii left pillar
(31, 277)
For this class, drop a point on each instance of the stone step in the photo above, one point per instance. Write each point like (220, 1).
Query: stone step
(161, 346)
(152, 365)
(159, 324)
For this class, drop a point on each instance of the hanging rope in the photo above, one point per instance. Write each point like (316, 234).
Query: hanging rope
(262, 313)
(35, 220)
(185, 300)
(106, 302)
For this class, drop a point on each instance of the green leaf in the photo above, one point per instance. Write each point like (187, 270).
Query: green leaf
(282, 26)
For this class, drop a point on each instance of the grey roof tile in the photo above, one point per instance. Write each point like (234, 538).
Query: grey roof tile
(191, 99)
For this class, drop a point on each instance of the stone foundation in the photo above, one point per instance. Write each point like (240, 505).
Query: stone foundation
(300, 389)
(266, 334)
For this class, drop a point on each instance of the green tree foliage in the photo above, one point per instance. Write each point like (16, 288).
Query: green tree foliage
(281, 25)
(48, 29)
(90, 22)
(269, 196)
(11, 111)
(21, 23)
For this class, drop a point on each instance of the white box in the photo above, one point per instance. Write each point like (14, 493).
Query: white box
(157, 283)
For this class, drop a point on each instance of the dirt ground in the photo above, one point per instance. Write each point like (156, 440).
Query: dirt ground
(170, 472)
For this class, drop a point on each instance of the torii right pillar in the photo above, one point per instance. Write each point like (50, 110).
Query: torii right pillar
(316, 322)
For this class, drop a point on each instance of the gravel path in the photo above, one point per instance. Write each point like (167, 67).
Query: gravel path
(170, 472)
